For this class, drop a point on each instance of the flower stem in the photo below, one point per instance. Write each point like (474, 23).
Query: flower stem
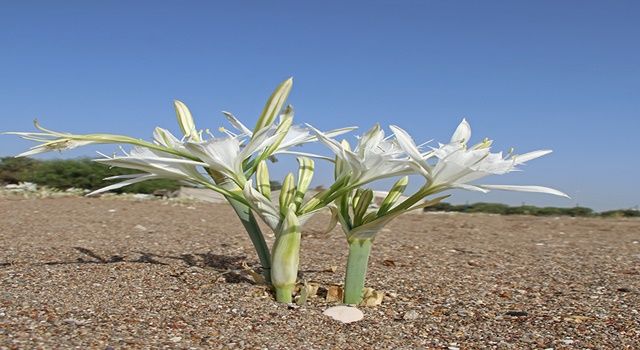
(257, 238)
(359, 250)
(249, 222)
(284, 294)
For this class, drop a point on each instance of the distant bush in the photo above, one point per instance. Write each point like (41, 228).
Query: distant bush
(498, 208)
(14, 170)
(623, 213)
(77, 173)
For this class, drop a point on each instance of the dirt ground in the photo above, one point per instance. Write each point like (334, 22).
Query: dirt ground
(120, 274)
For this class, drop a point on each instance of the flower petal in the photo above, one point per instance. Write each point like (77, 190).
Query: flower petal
(142, 177)
(262, 206)
(462, 133)
(522, 158)
(540, 189)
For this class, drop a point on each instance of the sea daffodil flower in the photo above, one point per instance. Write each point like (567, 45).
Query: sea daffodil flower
(449, 166)
(457, 164)
(296, 135)
(374, 157)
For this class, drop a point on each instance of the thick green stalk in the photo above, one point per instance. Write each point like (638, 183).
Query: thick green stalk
(357, 262)
(286, 257)
(249, 222)
(255, 234)
(284, 294)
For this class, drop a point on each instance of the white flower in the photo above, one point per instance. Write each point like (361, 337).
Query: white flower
(296, 135)
(155, 165)
(227, 155)
(456, 164)
(374, 157)
(52, 140)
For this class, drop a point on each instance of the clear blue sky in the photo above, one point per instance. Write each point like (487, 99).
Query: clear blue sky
(563, 75)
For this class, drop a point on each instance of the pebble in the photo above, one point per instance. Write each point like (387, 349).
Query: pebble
(411, 315)
(344, 314)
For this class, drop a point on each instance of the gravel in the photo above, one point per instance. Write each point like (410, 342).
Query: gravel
(113, 274)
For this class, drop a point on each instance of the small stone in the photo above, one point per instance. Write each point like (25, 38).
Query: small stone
(516, 313)
(176, 339)
(624, 290)
(568, 341)
(411, 315)
(140, 228)
(344, 314)
(474, 263)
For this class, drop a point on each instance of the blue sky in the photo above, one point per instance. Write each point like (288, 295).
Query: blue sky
(563, 75)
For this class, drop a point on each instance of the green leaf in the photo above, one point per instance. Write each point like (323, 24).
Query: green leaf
(396, 191)
(370, 230)
(326, 196)
(360, 208)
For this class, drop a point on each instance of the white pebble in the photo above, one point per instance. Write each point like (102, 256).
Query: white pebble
(344, 314)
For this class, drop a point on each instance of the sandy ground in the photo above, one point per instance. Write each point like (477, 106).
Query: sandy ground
(114, 274)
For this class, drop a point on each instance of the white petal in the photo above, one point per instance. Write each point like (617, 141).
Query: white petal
(409, 146)
(539, 189)
(165, 138)
(462, 133)
(220, 154)
(237, 124)
(521, 158)
(332, 144)
(305, 154)
(469, 187)
(124, 183)
(262, 205)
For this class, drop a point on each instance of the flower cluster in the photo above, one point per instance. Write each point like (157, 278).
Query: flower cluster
(236, 164)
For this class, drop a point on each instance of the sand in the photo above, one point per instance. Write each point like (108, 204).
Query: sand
(121, 274)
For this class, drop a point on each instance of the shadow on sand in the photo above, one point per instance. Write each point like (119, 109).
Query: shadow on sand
(231, 266)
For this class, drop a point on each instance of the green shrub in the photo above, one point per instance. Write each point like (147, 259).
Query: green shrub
(499, 208)
(78, 173)
(491, 208)
(14, 170)
(622, 213)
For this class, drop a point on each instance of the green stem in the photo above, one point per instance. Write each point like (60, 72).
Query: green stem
(357, 262)
(249, 222)
(284, 294)
(255, 234)
(286, 257)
